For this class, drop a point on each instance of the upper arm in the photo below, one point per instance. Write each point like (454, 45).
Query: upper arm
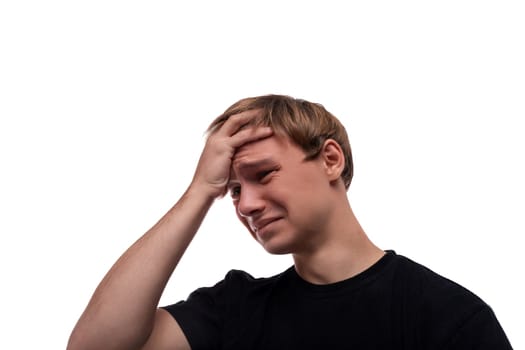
(166, 334)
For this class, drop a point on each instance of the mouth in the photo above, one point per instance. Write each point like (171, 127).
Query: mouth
(258, 226)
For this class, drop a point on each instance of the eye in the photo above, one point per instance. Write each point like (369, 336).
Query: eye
(262, 175)
(235, 191)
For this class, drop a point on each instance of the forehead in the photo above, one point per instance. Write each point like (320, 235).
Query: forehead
(272, 149)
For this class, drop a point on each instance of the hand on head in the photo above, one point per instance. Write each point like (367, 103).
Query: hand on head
(213, 169)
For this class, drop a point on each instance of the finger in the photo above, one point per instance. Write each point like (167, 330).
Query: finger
(250, 135)
(237, 121)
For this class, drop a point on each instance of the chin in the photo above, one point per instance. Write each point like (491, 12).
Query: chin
(276, 249)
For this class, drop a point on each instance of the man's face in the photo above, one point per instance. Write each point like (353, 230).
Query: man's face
(281, 198)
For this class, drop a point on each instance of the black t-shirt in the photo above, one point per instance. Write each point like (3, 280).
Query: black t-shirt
(395, 304)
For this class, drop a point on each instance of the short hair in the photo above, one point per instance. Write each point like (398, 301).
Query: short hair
(306, 123)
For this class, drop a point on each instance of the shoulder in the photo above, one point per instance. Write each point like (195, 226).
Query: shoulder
(227, 306)
(434, 293)
(245, 283)
(445, 312)
(430, 285)
(236, 285)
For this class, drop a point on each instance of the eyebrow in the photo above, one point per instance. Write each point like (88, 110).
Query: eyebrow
(249, 165)
(254, 163)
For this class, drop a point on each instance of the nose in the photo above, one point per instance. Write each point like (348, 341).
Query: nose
(250, 202)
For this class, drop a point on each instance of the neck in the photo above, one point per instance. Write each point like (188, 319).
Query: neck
(343, 252)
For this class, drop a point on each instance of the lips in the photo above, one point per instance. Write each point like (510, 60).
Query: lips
(258, 225)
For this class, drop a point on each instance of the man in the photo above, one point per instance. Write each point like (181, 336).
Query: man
(287, 165)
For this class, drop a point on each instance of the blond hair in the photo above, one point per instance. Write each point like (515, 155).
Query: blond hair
(307, 124)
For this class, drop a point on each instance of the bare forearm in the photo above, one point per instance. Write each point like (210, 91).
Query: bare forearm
(121, 312)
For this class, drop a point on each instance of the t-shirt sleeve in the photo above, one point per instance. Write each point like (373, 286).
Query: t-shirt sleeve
(201, 315)
(198, 318)
(480, 332)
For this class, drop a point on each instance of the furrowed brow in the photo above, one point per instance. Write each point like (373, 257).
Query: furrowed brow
(232, 183)
(244, 165)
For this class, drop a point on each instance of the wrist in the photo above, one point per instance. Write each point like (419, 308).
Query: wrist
(204, 191)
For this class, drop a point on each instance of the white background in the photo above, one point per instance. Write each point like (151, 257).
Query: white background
(103, 106)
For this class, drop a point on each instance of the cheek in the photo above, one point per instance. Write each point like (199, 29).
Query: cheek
(307, 206)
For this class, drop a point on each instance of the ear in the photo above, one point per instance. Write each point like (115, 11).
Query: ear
(333, 159)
